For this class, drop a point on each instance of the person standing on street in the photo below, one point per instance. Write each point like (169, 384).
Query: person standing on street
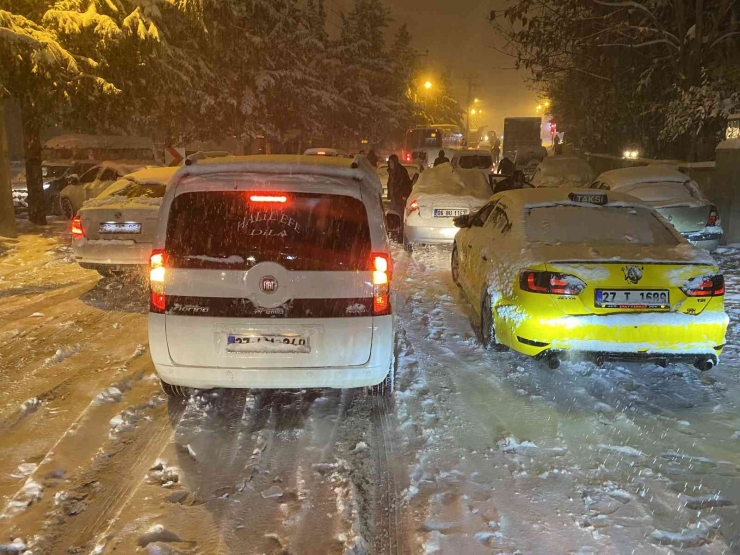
(441, 159)
(399, 185)
(496, 150)
(373, 158)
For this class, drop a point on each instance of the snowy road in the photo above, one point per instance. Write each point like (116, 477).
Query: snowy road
(481, 452)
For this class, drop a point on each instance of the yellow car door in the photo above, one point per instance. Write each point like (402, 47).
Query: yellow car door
(483, 252)
(467, 254)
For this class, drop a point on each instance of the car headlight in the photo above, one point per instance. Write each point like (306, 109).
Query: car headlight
(46, 186)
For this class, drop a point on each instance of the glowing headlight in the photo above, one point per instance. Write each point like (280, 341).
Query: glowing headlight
(46, 186)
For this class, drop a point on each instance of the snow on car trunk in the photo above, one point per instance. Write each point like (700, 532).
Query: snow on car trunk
(121, 219)
(443, 193)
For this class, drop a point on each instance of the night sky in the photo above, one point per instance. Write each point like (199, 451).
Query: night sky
(457, 34)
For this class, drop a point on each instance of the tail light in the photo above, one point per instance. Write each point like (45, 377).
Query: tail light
(713, 219)
(381, 268)
(411, 208)
(157, 299)
(76, 228)
(550, 283)
(705, 286)
(407, 156)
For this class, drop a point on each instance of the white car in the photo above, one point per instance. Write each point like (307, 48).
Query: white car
(674, 195)
(91, 183)
(474, 159)
(563, 171)
(332, 152)
(412, 168)
(272, 272)
(440, 195)
(114, 231)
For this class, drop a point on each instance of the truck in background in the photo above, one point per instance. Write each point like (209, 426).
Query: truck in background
(522, 142)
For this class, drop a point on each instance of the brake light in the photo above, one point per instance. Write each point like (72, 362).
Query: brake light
(381, 268)
(268, 198)
(407, 157)
(705, 286)
(321, 153)
(76, 228)
(713, 217)
(550, 283)
(411, 208)
(157, 299)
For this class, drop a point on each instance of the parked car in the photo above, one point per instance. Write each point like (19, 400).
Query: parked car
(563, 171)
(114, 231)
(474, 159)
(674, 195)
(437, 198)
(91, 183)
(556, 273)
(56, 174)
(272, 272)
(334, 152)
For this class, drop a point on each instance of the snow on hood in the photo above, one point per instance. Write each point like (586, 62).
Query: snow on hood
(152, 176)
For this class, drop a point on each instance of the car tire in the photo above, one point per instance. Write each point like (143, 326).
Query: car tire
(174, 391)
(487, 327)
(408, 246)
(55, 205)
(387, 386)
(65, 205)
(455, 265)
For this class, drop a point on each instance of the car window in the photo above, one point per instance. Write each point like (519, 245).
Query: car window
(109, 175)
(90, 175)
(309, 232)
(661, 191)
(498, 223)
(483, 213)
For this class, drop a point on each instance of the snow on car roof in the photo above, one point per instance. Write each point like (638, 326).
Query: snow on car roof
(98, 141)
(446, 180)
(544, 197)
(358, 169)
(625, 177)
(152, 176)
(325, 151)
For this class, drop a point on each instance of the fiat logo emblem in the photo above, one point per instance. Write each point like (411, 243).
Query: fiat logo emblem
(268, 284)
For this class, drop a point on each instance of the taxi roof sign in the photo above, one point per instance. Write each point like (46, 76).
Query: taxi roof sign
(599, 199)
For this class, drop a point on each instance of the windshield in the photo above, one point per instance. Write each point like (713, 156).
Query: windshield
(131, 189)
(423, 138)
(573, 225)
(661, 191)
(480, 161)
(53, 171)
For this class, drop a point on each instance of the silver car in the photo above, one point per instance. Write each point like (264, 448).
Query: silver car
(674, 195)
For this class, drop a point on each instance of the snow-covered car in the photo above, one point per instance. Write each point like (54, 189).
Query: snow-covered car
(331, 152)
(563, 171)
(555, 273)
(91, 183)
(272, 272)
(55, 175)
(412, 168)
(440, 195)
(114, 232)
(674, 195)
(474, 159)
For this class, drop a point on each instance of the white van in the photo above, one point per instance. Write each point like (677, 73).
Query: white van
(272, 272)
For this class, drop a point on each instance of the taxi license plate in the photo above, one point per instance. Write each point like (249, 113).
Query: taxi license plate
(633, 298)
(258, 343)
(449, 212)
(115, 227)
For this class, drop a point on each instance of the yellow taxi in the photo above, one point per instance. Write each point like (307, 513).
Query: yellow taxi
(576, 273)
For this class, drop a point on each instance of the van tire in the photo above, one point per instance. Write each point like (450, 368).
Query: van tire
(386, 387)
(173, 391)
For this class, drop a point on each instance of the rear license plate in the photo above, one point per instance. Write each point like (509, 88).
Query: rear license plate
(115, 227)
(449, 212)
(259, 343)
(633, 298)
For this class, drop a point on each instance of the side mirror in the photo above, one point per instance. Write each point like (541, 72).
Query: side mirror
(464, 221)
(73, 179)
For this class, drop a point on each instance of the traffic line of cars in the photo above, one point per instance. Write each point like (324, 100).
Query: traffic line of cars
(275, 271)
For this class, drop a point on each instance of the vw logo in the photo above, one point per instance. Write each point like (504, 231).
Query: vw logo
(633, 274)
(117, 215)
(268, 284)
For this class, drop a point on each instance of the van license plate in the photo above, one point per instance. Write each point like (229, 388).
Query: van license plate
(633, 298)
(449, 212)
(115, 227)
(257, 343)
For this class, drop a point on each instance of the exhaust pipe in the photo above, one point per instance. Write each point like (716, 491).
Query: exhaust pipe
(704, 364)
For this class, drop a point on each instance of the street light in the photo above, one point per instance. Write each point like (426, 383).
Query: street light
(476, 101)
(547, 103)
(473, 112)
(428, 85)
(539, 107)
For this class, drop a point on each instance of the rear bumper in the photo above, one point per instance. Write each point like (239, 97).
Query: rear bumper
(246, 377)
(430, 235)
(706, 241)
(110, 254)
(626, 335)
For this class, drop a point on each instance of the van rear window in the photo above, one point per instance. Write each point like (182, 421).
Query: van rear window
(309, 232)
